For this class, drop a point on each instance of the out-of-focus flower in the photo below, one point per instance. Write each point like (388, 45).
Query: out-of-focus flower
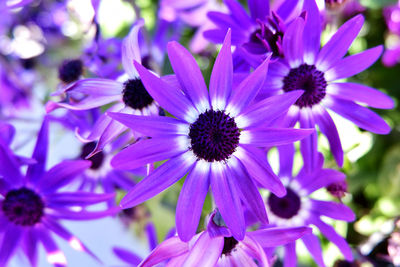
(297, 208)
(319, 72)
(31, 206)
(216, 246)
(392, 17)
(215, 137)
(127, 96)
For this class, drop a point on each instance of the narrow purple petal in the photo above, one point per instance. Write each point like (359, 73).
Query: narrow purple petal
(221, 76)
(330, 233)
(312, 29)
(127, 256)
(289, 9)
(323, 178)
(290, 259)
(247, 90)
(96, 87)
(239, 14)
(309, 145)
(337, 211)
(90, 102)
(76, 198)
(328, 128)
(10, 241)
(130, 49)
(168, 249)
(253, 248)
(246, 188)
(277, 236)
(151, 235)
(314, 247)
(67, 214)
(268, 137)
(7, 132)
(267, 110)
(54, 255)
(159, 180)
(227, 200)
(191, 199)
(62, 174)
(337, 46)
(259, 9)
(286, 156)
(293, 43)
(35, 171)
(255, 161)
(153, 126)
(189, 75)
(30, 244)
(361, 116)
(354, 64)
(170, 98)
(9, 167)
(361, 93)
(148, 151)
(205, 252)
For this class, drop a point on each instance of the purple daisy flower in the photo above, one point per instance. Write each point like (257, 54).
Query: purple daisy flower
(255, 35)
(319, 73)
(297, 208)
(31, 207)
(127, 95)
(216, 246)
(215, 138)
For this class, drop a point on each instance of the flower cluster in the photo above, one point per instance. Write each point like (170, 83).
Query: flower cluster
(232, 130)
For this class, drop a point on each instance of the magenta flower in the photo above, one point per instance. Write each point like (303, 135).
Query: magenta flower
(31, 206)
(217, 247)
(215, 139)
(319, 73)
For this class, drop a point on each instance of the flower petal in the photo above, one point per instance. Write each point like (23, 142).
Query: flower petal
(189, 75)
(127, 256)
(312, 32)
(314, 247)
(130, 49)
(337, 46)
(239, 14)
(148, 151)
(290, 255)
(9, 167)
(259, 9)
(10, 241)
(308, 145)
(227, 200)
(170, 98)
(76, 198)
(247, 90)
(268, 137)
(323, 178)
(191, 199)
(293, 43)
(168, 249)
(205, 252)
(222, 75)
(354, 64)
(159, 180)
(153, 126)
(360, 93)
(277, 236)
(333, 210)
(361, 116)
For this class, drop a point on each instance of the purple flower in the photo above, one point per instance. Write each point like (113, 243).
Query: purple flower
(392, 54)
(31, 207)
(217, 247)
(214, 138)
(127, 95)
(297, 208)
(318, 72)
(257, 34)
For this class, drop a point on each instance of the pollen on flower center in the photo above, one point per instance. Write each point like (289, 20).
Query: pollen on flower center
(285, 207)
(135, 95)
(229, 244)
(308, 78)
(97, 159)
(70, 70)
(23, 207)
(214, 136)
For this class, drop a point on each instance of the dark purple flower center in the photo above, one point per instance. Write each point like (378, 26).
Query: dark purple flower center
(308, 78)
(97, 159)
(285, 207)
(214, 136)
(267, 38)
(23, 207)
(229, 244)
(135, 95)
(334, 3)
(70, 70)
